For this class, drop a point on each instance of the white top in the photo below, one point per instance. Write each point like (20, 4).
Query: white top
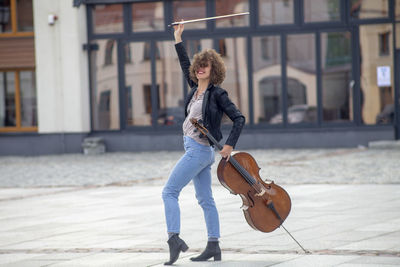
(194, 110)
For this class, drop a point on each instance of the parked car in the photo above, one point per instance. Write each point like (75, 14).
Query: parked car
(171, 116)
(297, 114)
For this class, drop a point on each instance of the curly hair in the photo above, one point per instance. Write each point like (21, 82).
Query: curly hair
(218, 69)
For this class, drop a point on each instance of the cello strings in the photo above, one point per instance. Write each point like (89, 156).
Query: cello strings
(242, 171)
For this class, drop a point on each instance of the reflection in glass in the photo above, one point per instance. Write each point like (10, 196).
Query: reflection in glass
(267, 85)
(367, 9)
(107, 18)
(275, 12)
(108, 55)
(301, 73)
(336, 76)
(28, 98)
(194, 46)
(376, 94)
(169, 77)
(187, 10)
(104, 93)
(225, 7)
(5, 16)
(7, 99)
(397, 10)
(24, 15)
(234, 55)
(138, 87)
(384, 43)
(321, 10)
(148, 16)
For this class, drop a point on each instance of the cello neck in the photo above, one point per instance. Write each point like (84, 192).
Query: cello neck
(245, 174)
(249, 179)
(215, 142)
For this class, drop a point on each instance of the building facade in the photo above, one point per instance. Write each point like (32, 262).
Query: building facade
(305, 73)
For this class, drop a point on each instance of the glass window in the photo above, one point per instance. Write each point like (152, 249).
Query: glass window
(187, 10)
(5, 16)
(7, 99)
(28, 98)
(275, 12)
(235, 83)
(397, 27)
(170, 88)
(384, 46)
(104, 77)
(267, 76)
(107, 18)
(336, 76)
(147, 52)
(302, 78)
(108, 55)
(138, 87)
(24, 15)
(376, 81)
(148, 16)
(368, 9)
(321, 10)
(16, 16)
(195, 46)
(226, 7)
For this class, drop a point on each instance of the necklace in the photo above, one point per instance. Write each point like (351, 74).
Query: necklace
(198, 93)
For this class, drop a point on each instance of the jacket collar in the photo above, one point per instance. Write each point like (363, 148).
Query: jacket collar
(205, 101)
(210, 85)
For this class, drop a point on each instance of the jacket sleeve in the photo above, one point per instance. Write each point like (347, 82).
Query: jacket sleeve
(235, 115)
(185, 62)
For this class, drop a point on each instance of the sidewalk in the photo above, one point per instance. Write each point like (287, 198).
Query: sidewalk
(345, 210)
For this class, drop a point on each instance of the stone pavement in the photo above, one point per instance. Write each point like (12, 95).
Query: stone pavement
(302, 166)
(75, 210)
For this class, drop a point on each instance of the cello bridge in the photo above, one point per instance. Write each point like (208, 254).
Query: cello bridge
(261, 193)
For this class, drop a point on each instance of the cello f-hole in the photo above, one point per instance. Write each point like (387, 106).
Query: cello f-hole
(251, 199)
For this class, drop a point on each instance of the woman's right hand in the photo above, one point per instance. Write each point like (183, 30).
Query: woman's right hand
(178, 32)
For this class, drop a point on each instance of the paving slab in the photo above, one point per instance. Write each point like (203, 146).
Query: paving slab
(96, 226)
(74, 210)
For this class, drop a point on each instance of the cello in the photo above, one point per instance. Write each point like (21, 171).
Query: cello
(266, 205)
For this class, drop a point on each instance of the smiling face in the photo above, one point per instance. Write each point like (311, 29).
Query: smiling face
(207, 65)
(203, 71)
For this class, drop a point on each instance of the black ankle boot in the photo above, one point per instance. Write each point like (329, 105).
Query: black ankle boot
(176, 245)
(212, 250)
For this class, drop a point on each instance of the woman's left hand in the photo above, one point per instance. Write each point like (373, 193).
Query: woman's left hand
(226, 152)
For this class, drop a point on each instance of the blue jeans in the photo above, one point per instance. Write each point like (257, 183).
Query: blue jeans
(194, 165)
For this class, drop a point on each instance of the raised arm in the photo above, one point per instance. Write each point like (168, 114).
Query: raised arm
(182, 55)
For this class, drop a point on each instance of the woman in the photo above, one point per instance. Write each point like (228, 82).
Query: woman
(207, 102)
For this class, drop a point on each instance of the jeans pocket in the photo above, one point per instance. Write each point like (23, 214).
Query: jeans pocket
(190, 153)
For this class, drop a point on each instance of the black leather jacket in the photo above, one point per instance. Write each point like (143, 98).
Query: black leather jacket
(215, 103)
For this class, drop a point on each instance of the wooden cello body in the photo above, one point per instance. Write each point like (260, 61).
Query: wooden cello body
(265, 205)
